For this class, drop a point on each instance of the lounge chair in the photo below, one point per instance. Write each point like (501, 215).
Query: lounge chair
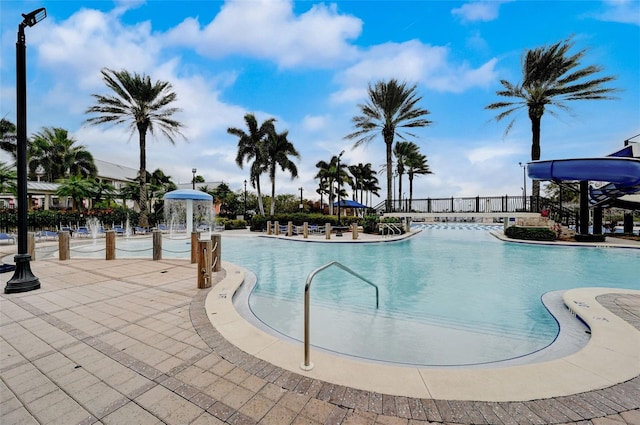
(316, 229)
(119, 230)
(7, 237)
(46, 235)
(83, 232)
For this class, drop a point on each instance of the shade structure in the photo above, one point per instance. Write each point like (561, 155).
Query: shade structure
(348, 203)
(196, 195)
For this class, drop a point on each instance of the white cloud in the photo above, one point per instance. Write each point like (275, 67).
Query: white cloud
(478, 11)
(492, 152)
(623, 11)
(412, 61)
(269, 29)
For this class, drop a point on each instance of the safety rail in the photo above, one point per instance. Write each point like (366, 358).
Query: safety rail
(307, 365)
(392, 229)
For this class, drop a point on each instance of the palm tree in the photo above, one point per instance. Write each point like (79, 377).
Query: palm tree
(8, 137)
(250, 147)
(416, 165)
(391, 106)
(59, 156)
(277, 150)
(77, 188)
(550, 77)
(329, 174)
(402, 151)
(363, 177)
(144, 106)
(102, 190)
(8, 179)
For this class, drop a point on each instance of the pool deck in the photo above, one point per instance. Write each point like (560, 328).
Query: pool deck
(134, 341)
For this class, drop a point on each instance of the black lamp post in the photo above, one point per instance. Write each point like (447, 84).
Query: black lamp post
(193, 180)
(245, 199)
(301, 206)
(23, 279)
(339, 232)
(524, 185)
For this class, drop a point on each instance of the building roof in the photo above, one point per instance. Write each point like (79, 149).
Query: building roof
(108, 170)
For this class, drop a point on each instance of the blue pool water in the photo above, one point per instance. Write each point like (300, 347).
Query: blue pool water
(451, 295)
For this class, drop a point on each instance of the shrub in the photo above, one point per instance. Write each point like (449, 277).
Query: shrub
(230, 224)
(530, 233)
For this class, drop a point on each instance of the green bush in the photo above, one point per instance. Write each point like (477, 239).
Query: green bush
(230, 224)
(530, 233)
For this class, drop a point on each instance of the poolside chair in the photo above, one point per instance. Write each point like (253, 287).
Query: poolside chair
(7, 237)
(315, 229)
(119, 230)
(140, 230)
(46, 235)
(83, 232)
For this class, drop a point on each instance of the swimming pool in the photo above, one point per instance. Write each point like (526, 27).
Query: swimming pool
(451, 295)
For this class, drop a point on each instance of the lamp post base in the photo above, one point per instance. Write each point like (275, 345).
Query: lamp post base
(23, 279)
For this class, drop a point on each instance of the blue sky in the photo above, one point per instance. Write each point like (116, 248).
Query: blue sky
(308, 64)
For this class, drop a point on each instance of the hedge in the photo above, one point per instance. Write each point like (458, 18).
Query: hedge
(530, 233)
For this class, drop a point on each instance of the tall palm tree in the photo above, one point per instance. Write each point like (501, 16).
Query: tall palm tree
(59, 156)
(277, 150)
(250, 148)
(329, 175)
(363, 177)
(370, 184)
(403, 150)
(391, 108)
(416, 165)
(550, 77)
(144, 106)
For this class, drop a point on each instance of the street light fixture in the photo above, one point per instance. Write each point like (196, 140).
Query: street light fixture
(193, 180)
(23, 279)
(339, 232)
(301, 206)
(524, 185)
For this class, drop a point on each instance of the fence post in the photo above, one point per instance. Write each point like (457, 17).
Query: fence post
(305, 229)
(327, 230)
(216, 252)
(110, 240)
(157, 245)
(276, 228)
(354, 230)
(269, 227)
(195, 237)
(204, 264)
(63, 246)
(31, 245)
(290, 228)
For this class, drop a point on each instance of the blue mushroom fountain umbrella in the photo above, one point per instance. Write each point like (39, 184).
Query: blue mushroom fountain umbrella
(188, 195)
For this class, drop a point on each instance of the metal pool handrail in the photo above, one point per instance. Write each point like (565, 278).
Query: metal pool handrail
(307, 365)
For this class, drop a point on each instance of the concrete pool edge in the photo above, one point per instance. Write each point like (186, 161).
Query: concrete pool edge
(612, 356)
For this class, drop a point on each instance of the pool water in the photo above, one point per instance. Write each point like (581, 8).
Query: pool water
(451, 295)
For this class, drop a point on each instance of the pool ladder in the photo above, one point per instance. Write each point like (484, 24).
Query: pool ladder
(307, 365)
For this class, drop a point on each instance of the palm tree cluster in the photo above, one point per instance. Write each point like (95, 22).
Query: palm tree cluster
(551, 76)
(267, 150)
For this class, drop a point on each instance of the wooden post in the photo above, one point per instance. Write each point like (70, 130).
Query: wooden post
(63, 246)
(195, 237)
(305, 229)
(110, 236)
(204, 264)
(290, 229)
(276, 228)
(354, 230)
(269, 227)
(157, 245)
(216, 252)
(31, 245)
(327, 230)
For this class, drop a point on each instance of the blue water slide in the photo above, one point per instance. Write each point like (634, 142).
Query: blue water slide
(621, 171)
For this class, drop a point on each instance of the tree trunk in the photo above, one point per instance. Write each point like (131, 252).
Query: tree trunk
(143, 221)
(260, 203)
(388, 140)
(410, 190)
(273, 192)
(400, 189)
(535, 114)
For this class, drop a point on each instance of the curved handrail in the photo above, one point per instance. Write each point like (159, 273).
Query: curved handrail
(307, 365)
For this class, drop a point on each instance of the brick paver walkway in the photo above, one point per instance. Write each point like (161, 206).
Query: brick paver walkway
(128, 342)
